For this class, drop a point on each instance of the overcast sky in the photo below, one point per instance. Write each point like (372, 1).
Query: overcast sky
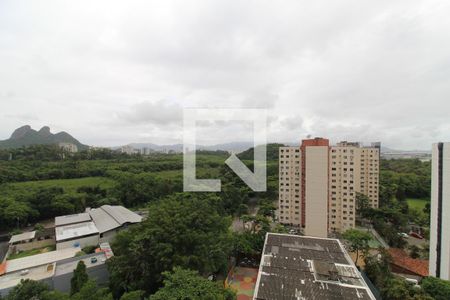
(112, 73)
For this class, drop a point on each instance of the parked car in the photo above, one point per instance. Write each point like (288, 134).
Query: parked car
(416, 235)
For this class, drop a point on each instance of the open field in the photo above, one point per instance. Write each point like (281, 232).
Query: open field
(418, 204)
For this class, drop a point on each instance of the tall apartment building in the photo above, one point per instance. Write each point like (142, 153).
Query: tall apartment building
(440, 212)
(319, 183)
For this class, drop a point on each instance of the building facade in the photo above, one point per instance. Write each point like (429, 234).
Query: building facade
(54, 268)
(440, 212)
(319, 183)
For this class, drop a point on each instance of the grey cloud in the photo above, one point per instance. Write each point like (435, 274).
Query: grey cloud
(159, 113)
(363, 70)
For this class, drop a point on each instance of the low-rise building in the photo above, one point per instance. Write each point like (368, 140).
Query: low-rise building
(407, 267)
(111, 219)
(96, 226)
(302, 267)
(53, 268)
(31, 240)
(22, 238)
(77, 235)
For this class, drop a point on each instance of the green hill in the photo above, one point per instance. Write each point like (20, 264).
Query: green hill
(26, 136)
(272, 152)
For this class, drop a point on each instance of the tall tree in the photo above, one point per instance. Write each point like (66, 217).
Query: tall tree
(90, 291)
(396, 289)
(359, 241)
(80, 277)
(362, 205)
(181, 230)
(437, 288)
(267, 209)
(186, 284)
(27, 289)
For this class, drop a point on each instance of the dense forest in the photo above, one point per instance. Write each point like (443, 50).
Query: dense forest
(407, 178)
(41, 182)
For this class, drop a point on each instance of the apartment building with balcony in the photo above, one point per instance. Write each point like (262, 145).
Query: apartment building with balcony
(319, 183)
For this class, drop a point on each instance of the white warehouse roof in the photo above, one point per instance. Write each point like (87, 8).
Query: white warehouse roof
(39, 259)
(75, 230)
(22, 237)
(105, 218)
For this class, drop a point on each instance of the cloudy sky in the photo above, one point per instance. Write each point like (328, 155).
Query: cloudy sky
(112, 72)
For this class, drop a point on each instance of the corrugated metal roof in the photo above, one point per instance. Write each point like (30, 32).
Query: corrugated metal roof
(294, 267)
(109, 217)
(22, 237)
(72, 219)
(103, 220)
(121, 214)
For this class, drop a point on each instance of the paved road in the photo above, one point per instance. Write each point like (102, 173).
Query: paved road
(3, 250)
(414, 241)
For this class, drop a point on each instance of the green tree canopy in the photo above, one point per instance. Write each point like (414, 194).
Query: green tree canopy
(181, 230)
(90, 291)
(437, 288)
(80, 277)
(27, 289)
(186, 284)
(359, 241)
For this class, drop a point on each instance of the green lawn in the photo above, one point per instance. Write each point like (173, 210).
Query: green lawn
(31, 252)
(418, 204)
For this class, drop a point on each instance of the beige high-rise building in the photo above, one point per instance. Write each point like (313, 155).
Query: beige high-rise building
(319, 183)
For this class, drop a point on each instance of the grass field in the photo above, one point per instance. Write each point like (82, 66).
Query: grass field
(418, 204)
(31, 252)
(69, 185)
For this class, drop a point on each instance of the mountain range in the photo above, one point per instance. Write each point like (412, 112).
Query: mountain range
(27, 136)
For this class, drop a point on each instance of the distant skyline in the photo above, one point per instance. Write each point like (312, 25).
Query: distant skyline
(112, 73)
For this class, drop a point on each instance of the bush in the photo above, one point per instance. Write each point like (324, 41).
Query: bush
(89, 249)
(80, 253)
